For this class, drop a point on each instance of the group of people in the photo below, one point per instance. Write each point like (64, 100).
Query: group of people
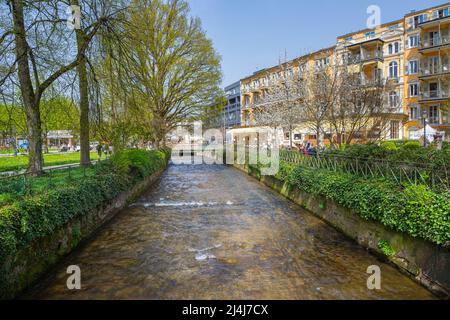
(104, 149)
(307, 149)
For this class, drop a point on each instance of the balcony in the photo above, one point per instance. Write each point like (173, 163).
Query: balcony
(366, 57)
(434, 95)
(376, 81)
(436, 70)
(434, 43)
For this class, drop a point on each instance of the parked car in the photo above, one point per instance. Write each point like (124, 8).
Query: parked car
(64, 149)
(77, 149)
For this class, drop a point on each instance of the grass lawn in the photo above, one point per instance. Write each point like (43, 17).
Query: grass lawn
(12, 189)
(21, 162)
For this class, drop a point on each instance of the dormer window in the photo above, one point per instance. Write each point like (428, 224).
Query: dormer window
(370, 35)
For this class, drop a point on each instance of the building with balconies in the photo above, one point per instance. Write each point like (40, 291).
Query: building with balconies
(232, 111)
(255, 87)
(430, 85)
(410, 54)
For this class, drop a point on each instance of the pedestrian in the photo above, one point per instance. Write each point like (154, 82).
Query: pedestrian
(99, 151)
(106, 151)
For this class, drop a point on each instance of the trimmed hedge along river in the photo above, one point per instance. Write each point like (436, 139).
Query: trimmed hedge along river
(30, 218)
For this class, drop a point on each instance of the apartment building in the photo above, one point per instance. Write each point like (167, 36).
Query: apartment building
(256, 86)
(411, 54)
(232, 111)
(428, 73)
(378, 55)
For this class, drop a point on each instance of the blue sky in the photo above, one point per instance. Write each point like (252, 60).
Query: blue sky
(254, 34)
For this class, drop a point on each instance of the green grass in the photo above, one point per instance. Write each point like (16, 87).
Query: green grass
(21, 162)
(12, 189)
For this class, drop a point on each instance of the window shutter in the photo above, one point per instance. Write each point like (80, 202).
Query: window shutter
(407, 69)
(407, 43)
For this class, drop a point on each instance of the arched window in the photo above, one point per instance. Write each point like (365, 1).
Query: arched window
(396, 47)
(390, 49)
(393, 99)
(393, 69)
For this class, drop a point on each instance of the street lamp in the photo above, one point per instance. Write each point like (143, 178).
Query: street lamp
(425, 114)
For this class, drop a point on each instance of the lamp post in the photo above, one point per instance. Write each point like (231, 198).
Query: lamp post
(425, 114)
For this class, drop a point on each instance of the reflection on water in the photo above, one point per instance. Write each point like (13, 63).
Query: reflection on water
(211, 232)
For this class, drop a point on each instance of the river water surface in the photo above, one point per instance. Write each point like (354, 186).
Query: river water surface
(211, 232)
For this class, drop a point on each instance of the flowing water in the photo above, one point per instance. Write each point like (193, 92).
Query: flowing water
(211, 232)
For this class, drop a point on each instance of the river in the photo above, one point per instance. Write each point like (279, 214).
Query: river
(212, 232)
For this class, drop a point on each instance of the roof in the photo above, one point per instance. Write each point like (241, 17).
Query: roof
(306, 56)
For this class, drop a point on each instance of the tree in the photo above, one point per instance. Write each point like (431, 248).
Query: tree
(98, 14)
(39, 65)
(280, 105)
(174, 66)
(320, 90)
(361, 110)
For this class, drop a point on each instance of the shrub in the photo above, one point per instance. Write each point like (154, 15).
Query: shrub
(389, 146)
(139, 163)
(414, 210)
(33, 217)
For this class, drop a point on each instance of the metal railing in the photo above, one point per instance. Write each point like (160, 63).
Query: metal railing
(435, 94)
(434, 42)
(399, 172)
(438, 69)
(28, 183)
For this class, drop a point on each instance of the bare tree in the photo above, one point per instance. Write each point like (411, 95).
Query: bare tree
(361, 111)
(279, 104)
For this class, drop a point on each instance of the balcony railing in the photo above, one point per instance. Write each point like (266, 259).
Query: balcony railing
(435, 94)
(434, 42)
(368, 56)
(439, 69)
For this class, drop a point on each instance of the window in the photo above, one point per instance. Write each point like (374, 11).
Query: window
(414, 90)
(439, 14)
(414, 112)
(433, 115)
(412, 67)
(413, 41)
(289, 73)
(297, 137)
(393, 48)
(393, 99)
(322, 63)
(415, 21)
(370, 35)
(395, 130)
(393, 70)
(301, 69)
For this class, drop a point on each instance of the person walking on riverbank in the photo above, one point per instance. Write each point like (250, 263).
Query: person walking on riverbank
(106, 151)
(99, 151)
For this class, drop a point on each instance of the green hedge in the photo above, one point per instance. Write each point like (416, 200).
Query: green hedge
(30, 218)
(414, 210)
(409, 151)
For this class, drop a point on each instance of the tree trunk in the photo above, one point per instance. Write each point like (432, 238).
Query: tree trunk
(30, 99)
(290, 137)
(85, 158)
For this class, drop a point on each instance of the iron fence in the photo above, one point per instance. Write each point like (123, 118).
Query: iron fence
(400, 172)
(28, 183)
